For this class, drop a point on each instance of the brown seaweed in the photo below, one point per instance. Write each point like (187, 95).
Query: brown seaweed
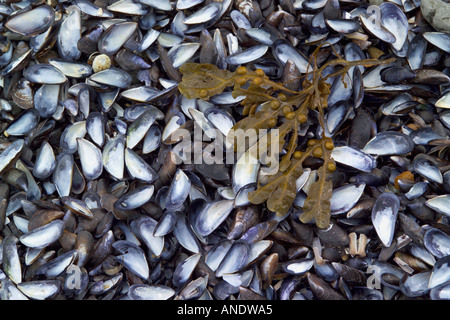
(268, 105)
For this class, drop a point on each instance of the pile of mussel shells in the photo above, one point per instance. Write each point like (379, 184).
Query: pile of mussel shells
(96, 204)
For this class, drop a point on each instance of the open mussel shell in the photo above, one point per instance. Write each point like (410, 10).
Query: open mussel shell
(185, 235)
(440, 273)
(150, 292)
(344, 26)
(40, 289)
(212, 215)
(152, 139)
(438, 39)
(205, 14)
(68, 35)
(135, 198)
(77, 206)
(384, 216)
(247, 56)
(68, 139)
(92, 10)
(10, 154)
(144, 227)
(178, 191)
(180, 54)
(375, 28)
(354, 158)
(440, 204)
(416, 285)
(46, 100)
(72, 69)
(11, 262)
(45, 162)
(113, 157)
(43, 236)
(139, 128)
(128, 7)
(184, 270)
(389, 143)
(23, 124)
(113, 77)
(115, 37)
(283, 51)
(437, 242)
(31, 22)
(132, 258)
(90, 158)
(394, 20)
(427, 169)
(95, 127)
(44, 74)
(440, 293)
(165, 224)
(344, 198)
(138, 168)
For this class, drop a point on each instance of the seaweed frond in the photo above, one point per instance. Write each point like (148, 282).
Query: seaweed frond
(270, 105)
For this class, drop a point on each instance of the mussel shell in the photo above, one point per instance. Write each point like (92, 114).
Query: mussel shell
(235, 258)
(44, 73)
(354, 158)
(46, 99)
(205, 14)
(115, 36)
(63, 174)
(45, 162)
(138, 129)
(440, 273)
(139, 168)
(143, 228)
(95, 127)
(178, 191)
(284, 51)
(90, 158)
(71, 133)
(150, 292)
(437, 242)
(212, 215)
(72, 69)
(32, 22)
(439, 39)
(128, 7)
(11, 262)
(384, 216)
(183, 271)
(43, 236)
(23, 124)
(40, 289)
(92, 10)
(10, 154)
(113, 77)
(394, 20)
(247, 55)
(135, 198)
(113, 156)
(389, 143)
(23, 94)
(68, 35)
(132, 258)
